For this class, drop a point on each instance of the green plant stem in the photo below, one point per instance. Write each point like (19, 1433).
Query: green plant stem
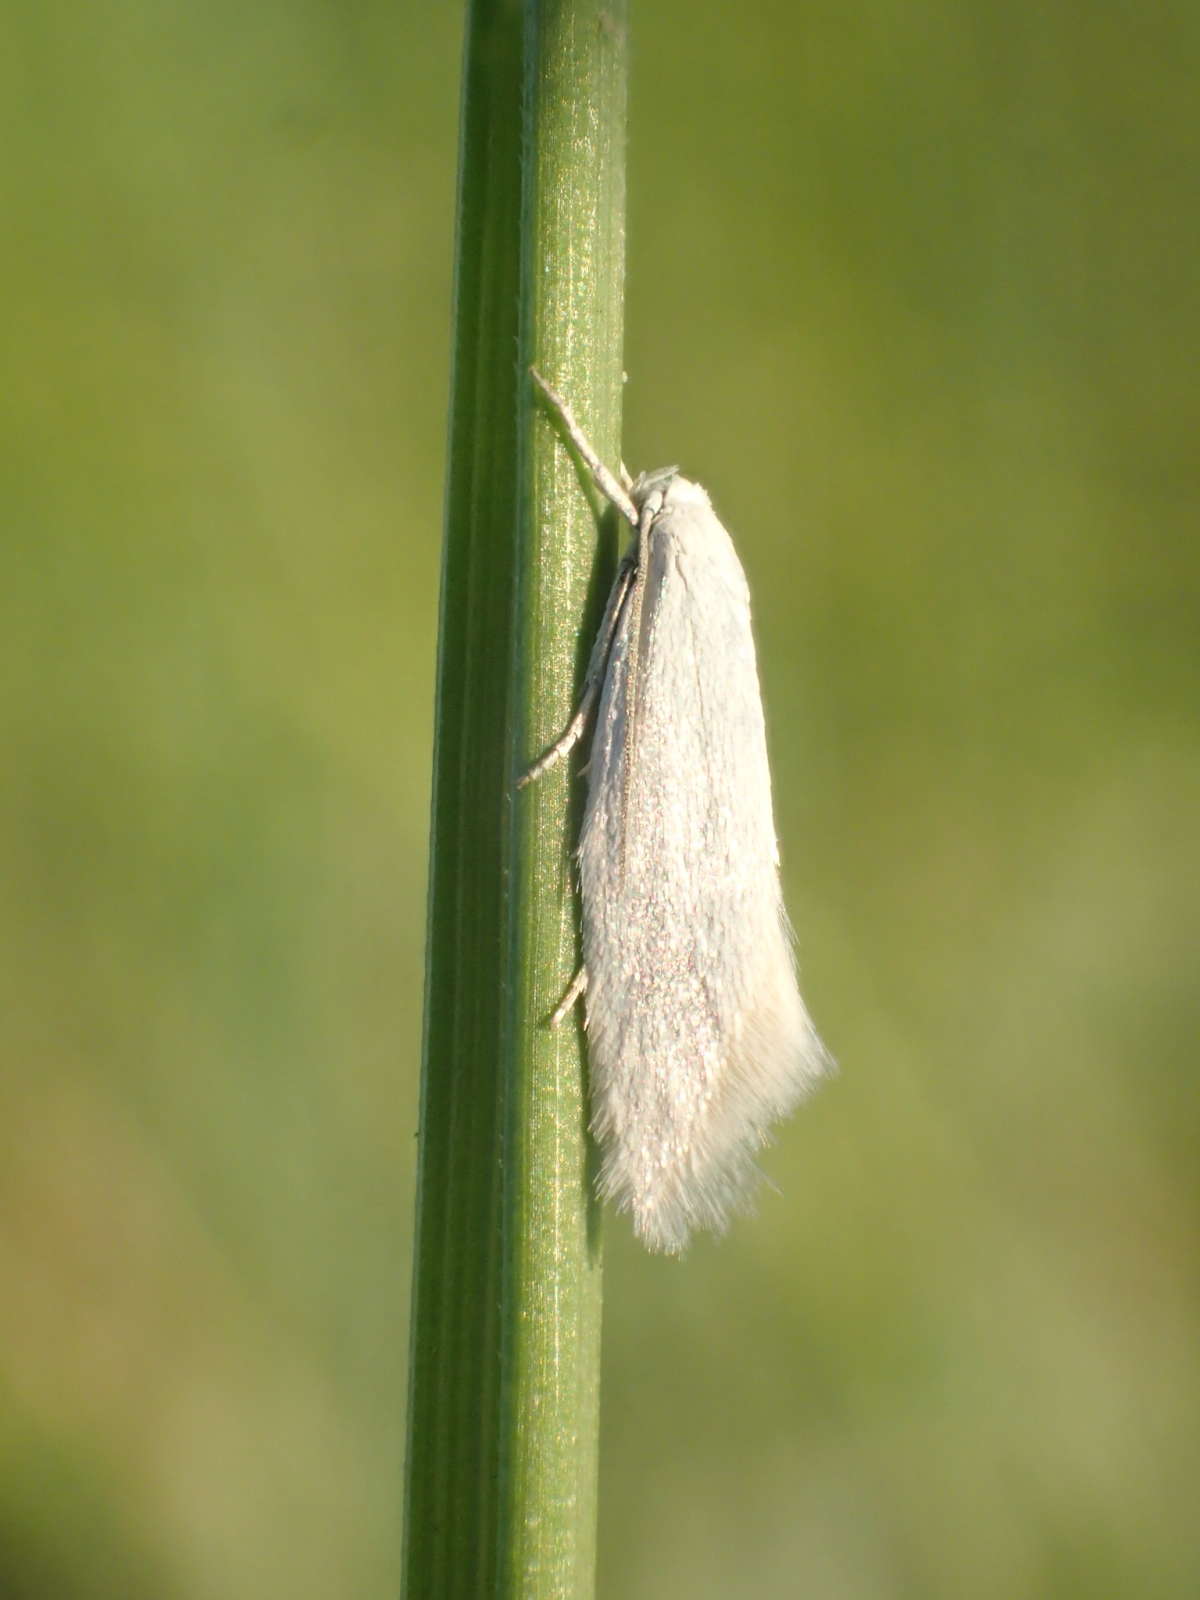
(504, 1374)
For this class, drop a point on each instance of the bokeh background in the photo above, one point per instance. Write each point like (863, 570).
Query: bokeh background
(913, 289)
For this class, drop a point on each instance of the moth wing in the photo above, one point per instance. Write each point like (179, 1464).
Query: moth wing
(698, 1037)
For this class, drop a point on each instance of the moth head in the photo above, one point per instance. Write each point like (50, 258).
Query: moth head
(663, 488)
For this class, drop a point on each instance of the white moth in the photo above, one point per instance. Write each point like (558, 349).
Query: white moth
(698, 1039)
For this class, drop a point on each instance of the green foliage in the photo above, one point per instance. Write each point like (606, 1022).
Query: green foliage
(913, 292)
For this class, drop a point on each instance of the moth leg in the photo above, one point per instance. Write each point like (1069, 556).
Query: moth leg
(567, 739)
(607, 484)
(577, 988)
(573, 732)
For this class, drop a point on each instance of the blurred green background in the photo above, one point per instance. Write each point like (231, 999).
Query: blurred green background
(914, 291)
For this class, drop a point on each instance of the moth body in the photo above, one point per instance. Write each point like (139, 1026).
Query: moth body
(698, 1039)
